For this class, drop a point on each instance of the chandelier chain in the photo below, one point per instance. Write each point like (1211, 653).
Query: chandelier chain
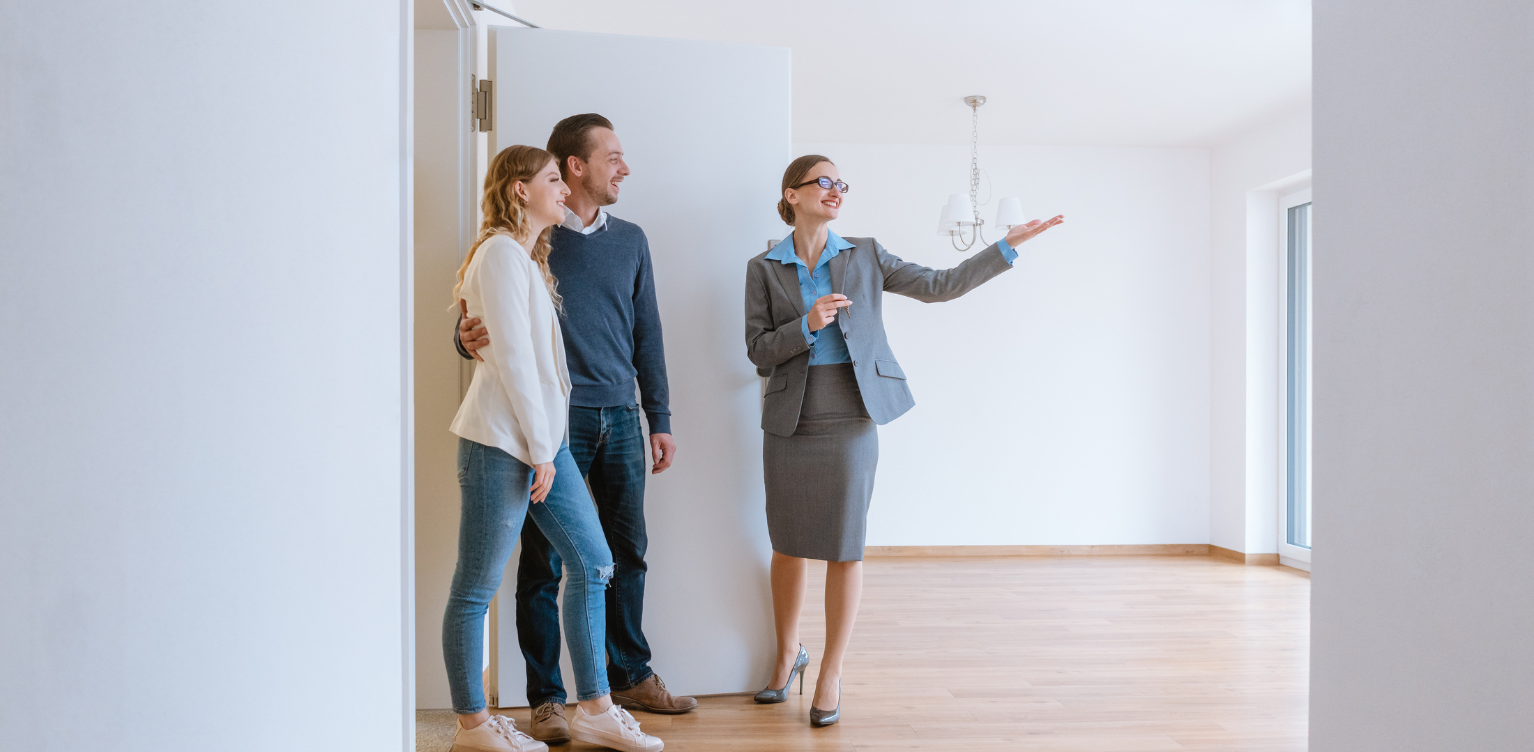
(956, 234)
(974, 159)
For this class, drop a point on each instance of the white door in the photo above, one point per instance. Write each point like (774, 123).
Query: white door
(705, 128)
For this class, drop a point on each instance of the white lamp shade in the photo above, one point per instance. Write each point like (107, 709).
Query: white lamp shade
(960, 210)
(955, 215)
(946, 224)
(1009, 213)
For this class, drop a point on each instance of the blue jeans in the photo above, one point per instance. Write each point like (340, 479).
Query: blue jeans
(609, 447)
(495, 488)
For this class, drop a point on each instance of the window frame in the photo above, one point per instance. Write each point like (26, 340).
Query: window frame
(1290, 554)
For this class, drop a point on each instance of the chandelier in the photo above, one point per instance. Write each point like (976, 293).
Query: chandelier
(963, 211)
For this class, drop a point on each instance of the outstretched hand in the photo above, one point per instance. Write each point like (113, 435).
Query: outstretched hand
(1025, 233)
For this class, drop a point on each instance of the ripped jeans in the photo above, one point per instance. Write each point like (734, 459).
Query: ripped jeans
(494, 487)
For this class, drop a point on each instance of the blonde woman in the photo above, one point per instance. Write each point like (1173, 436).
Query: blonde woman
(511, 454)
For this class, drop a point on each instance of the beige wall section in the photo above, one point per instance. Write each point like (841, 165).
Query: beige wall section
(441, 135)
(1246, 176)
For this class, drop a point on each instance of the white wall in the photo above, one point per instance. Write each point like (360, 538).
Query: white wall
(203, 379)
(1246, 178)
(1424, 377)
(1065, 402)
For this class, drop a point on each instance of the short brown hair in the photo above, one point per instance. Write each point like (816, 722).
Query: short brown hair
(793, 176)
(572, 138)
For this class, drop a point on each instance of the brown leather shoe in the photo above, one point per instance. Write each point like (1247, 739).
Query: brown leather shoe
(651, 696)
(549, 724)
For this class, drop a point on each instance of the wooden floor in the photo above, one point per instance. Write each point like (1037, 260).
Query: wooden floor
(1069, 654)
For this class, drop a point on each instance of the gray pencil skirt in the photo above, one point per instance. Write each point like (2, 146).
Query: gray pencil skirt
(820, 480)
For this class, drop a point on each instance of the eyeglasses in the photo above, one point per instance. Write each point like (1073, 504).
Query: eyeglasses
(825, 183)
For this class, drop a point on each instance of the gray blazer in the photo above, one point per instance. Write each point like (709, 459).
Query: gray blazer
(864, 272)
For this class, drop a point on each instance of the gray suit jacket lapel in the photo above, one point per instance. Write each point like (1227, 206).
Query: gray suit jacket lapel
(788, 279)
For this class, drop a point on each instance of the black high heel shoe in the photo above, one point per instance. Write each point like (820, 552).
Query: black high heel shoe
(769, 695)
(820, 717)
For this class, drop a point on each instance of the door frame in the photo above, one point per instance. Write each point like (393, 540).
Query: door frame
(465, 158)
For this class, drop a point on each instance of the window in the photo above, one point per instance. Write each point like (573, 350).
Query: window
(1295, 257)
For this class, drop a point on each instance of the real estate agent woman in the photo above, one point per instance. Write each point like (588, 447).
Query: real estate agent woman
(814, 321)
(512, 452)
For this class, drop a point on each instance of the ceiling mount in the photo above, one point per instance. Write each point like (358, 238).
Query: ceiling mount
(974, 100)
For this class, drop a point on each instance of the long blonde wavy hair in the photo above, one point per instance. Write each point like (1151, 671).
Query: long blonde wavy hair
(506, 214)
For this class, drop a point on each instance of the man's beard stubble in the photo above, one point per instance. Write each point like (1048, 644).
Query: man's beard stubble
(600, 194)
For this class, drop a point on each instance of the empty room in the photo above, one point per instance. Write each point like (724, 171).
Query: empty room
(438, 375)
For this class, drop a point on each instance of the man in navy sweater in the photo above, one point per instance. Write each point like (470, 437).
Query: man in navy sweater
(612, 337)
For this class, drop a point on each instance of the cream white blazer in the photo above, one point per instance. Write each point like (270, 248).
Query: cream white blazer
(519, 399)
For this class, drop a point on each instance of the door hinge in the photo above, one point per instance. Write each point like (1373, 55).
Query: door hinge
(482, 109)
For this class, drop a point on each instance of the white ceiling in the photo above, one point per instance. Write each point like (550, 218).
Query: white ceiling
(1086, 72)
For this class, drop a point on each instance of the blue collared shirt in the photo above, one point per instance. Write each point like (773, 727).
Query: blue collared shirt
(815, 284)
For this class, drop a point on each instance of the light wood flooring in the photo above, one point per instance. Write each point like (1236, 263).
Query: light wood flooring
(1068, 654)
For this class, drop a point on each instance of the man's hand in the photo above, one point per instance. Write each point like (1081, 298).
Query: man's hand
(470, 333)
(663, 449)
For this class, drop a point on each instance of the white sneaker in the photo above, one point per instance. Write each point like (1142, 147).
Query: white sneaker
(499, 734)
(615, 729)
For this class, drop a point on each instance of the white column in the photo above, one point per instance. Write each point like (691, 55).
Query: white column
(203, 375)
(1424, 376)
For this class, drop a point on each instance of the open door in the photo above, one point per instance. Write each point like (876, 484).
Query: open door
(706, 130)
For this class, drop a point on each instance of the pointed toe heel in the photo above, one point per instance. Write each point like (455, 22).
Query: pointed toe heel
(820, 718)
(769, 696)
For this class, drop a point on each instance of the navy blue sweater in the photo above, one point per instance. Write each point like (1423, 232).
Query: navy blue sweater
(611, 323)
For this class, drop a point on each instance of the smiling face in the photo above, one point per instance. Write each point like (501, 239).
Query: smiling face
(812, 203)
(602, 172)
(544, 195)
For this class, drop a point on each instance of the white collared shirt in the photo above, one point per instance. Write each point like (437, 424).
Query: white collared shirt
(573, 222)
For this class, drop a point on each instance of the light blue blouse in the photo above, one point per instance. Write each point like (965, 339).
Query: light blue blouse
(815, 284)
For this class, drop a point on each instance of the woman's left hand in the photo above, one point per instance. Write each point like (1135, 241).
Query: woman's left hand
(1024, 233)
(543, 481)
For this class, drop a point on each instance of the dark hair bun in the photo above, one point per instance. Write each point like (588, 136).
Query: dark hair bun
(786, 211)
